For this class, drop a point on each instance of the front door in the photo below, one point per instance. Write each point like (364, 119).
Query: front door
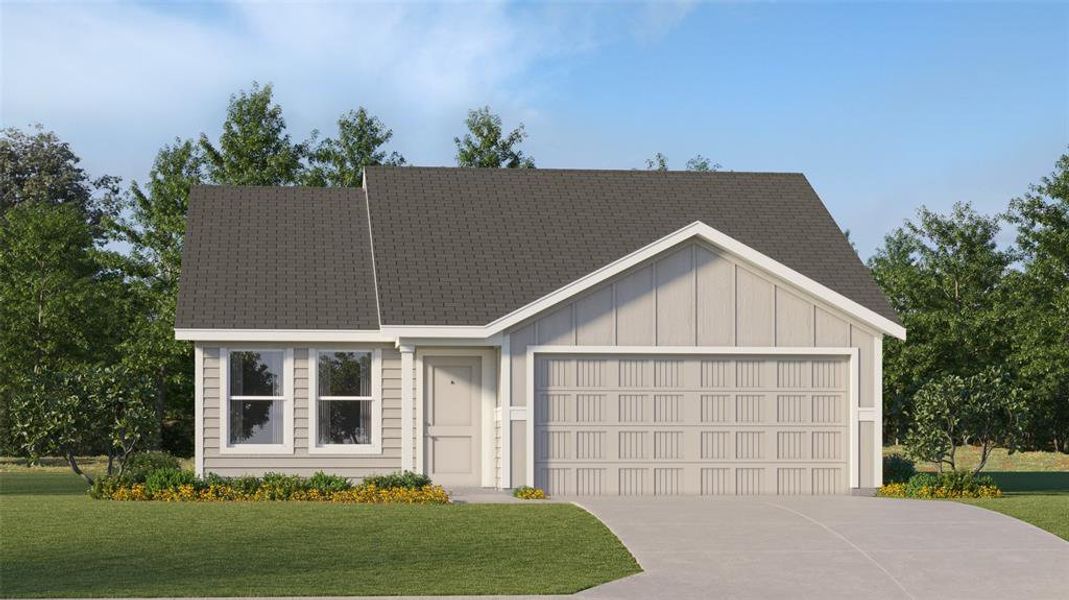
(453, 419)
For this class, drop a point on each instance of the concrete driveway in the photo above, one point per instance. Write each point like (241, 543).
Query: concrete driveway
(829, 547)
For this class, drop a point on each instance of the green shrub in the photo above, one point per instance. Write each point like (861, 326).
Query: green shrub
(949, 484)
(104, 486)
(964, 482)
(921, 480)
(328, 483)
(279, 486)
(141, 464)
(897, 468)
(527, 492)
(399, 479)
(246, 484)
(169, 479)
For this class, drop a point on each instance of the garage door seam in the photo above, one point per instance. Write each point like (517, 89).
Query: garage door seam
(852, 545)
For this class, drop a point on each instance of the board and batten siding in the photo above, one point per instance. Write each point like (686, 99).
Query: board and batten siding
(694, 295)
(299, 462)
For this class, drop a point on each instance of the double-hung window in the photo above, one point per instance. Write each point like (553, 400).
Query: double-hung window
(345, 412)
(257, 412)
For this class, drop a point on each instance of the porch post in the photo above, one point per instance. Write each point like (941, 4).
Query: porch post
(408, 408)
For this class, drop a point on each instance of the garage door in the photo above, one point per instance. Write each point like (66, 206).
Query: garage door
(691, 425)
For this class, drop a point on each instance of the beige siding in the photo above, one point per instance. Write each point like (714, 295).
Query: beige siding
(755, 316)
(864, 342)
(299, 461)
(635, 315)
(693, 295)
(595, 319)
(715, 276)
(676, 305)
(794, 320)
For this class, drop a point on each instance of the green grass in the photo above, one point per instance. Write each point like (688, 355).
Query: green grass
(1036, 485)
(57, 542)
(1049, 512)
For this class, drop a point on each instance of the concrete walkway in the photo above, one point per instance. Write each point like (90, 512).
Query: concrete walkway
(829, 547)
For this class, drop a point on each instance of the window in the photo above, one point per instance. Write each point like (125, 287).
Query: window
(346, 411)
(257, 408)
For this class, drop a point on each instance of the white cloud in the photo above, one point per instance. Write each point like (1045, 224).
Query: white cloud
(118, 80)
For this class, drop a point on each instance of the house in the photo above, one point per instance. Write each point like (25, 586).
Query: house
(588, 332)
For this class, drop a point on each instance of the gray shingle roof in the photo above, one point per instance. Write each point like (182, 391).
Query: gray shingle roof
(277, 258)
(467, 246)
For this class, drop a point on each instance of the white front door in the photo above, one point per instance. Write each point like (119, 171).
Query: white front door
(453, 419)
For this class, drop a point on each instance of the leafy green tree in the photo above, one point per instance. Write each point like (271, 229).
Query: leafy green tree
(36, 166)
(340, 162)
(702, 164)
(658, 162)
(155, 230)
(486, 144)
(58, 309)
(254, 148)
(944, 275)
(698, 163)
(86, 408)
(985, 409)
(1040, 306)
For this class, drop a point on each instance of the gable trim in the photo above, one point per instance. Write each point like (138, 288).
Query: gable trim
(696, 229)
(282, 335)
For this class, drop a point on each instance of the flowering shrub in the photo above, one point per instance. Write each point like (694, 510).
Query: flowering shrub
(168, 485)
(952, 484)
(529, 493)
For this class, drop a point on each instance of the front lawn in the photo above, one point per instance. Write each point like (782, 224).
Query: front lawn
(1036, 486)
(57, 542)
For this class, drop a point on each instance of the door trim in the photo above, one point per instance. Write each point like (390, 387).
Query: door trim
(487, 406)
(842, 352)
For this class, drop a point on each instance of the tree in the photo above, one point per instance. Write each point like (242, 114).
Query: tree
(254, 148)
(944, 275)
(58, 308)
(702, 164)
(658, 162)
(699, 163)
(340, 162)
(36, 166)
(155, 231)
(486, 145)
(1040, 305)
(96, 408)
(984, 409)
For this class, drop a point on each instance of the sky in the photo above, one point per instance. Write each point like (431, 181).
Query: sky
(884, 107)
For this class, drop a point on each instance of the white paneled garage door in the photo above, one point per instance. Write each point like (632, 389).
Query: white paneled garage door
(691, 425)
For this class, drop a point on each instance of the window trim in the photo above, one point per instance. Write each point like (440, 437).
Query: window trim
(286, 447)
(314, 447)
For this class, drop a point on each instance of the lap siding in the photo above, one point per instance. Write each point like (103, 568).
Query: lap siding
(300, 462)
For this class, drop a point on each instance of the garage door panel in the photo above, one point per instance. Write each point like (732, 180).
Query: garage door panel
(702, 425)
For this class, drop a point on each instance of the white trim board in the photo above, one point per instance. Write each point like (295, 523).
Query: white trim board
(853, 354)
(282, 335)
(198, 408)
(408, 401)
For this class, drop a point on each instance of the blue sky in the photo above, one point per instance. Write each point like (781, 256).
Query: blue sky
(884, 107)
